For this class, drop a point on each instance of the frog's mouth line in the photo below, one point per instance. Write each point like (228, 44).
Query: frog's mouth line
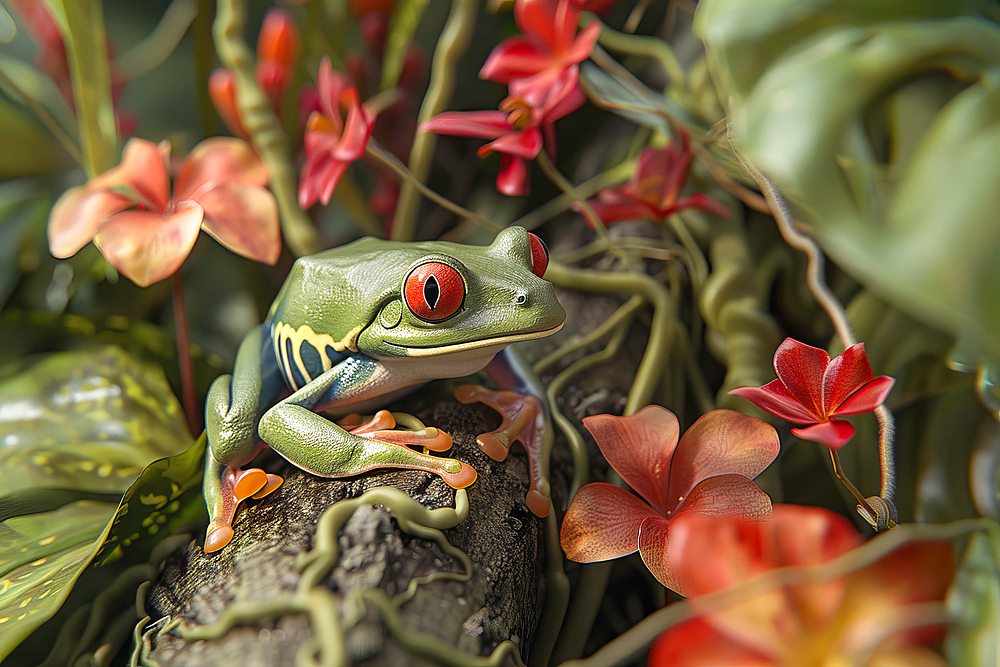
(416, 351)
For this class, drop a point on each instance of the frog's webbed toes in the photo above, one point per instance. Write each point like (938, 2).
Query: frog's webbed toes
(237, 486)
(382, 427)
(523, 420)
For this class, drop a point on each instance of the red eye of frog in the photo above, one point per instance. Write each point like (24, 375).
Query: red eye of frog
(434, 291)
(539, 255)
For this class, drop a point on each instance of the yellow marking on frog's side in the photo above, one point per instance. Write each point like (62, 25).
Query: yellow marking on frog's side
(48, 540)
(286, 332)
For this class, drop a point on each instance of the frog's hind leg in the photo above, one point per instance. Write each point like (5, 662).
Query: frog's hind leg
(314, 443)
(233, 408)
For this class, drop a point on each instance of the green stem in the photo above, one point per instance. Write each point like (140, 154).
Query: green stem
(263, 126)
(570, 191)
(451, 47)
(389, 160)
(204, 57)
(82, 22)
(639, 45)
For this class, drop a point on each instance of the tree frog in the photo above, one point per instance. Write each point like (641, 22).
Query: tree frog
(351, 329)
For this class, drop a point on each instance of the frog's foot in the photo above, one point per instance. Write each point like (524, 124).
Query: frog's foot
(382, 428)
(524, 422)
(237, 486)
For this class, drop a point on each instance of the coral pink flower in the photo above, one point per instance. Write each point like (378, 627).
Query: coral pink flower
(653, 191)
(869, 616)
(708, 472)
(811, 389)
(146, 233)
(331, 143)
(277, 54)
(532, 64)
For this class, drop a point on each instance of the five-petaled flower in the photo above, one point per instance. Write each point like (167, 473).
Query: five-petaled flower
(811, 389)
(331, 142)
(653, 192)
(536, 64)
(277, 53)
(877, 614)
(708, 471)
(146, 232)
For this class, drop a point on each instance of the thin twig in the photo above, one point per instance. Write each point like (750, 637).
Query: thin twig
(392, 162)
(184, 357)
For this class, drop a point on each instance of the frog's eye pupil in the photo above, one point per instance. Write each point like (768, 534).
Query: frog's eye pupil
(431, 292)
(434, 291)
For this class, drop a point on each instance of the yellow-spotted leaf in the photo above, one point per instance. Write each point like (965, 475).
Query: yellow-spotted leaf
(41, 557)
(158, 501)
(86, 421)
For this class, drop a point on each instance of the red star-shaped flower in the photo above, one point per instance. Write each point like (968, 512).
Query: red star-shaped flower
(812, 389)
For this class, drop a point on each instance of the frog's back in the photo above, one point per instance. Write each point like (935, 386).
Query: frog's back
(325, 303)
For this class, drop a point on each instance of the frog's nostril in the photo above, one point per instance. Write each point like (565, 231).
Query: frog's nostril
(520, 298)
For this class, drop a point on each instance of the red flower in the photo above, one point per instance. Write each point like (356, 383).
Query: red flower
(707, 472)
(146, 233)
(550, 49)
(811, 389)
(860, 618)
(331, 143)
(517, 132)
(277, 53)
(653, 191)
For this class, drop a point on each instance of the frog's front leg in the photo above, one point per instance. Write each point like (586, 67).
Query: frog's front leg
(314, 443)
(235, 403)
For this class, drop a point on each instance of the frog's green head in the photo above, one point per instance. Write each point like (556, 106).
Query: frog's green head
(450, 299)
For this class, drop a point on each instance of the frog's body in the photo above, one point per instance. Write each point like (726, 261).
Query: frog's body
(353, 328)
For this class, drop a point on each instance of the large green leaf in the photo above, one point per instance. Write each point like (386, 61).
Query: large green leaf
(76, 429)
(833, 101)
(86, 421)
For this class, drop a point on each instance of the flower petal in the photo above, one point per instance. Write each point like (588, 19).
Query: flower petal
(602, 523)
(639, 448)
(147, 247)
(514, 177)
(330, 86)
(479, 124)
(78, 215)
(215, 161)
(244, 218)
(844, 375)
(727, 495)
(653, 539)
(721, 442)
(550, 22)
(834, 433)
(702, 202)
(222, 91)
(867, 398)
(144, 169)
(775, 398)
(514, 58)
(697, 643)
(524, 144)
(800, 368)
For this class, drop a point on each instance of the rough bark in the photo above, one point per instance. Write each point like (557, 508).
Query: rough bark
(499, 602)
